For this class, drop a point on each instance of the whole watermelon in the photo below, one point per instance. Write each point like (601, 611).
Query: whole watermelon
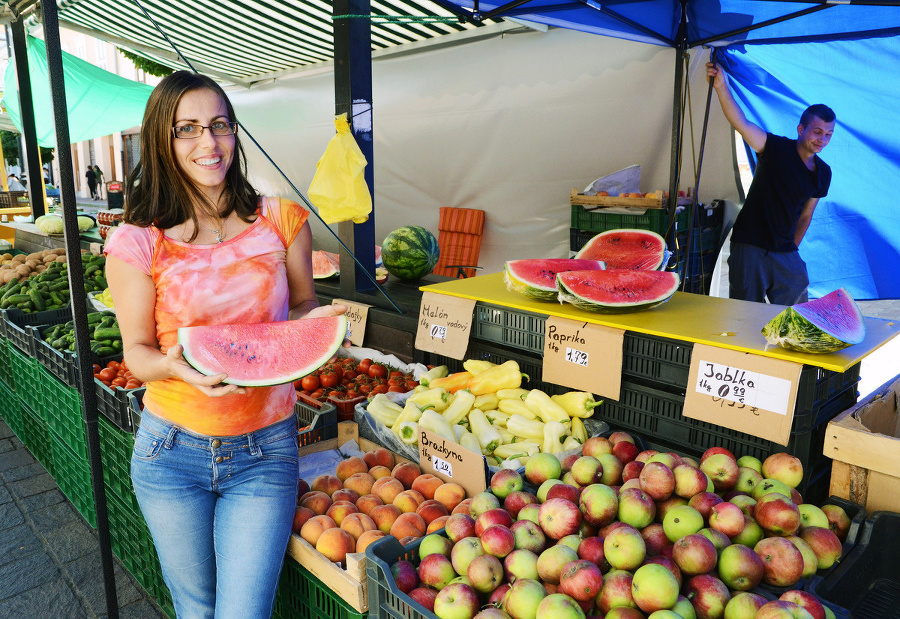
(410, 252)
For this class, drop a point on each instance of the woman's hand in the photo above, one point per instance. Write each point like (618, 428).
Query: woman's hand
(209, 385)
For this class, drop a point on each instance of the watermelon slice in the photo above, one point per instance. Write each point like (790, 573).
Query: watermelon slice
(616, 291)
(536, 279)
(828, 324)
(325, 264)
(626, 249)
(266, 353)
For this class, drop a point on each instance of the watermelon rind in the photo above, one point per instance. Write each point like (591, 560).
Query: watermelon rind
(410, 252)
(536, 278)
(626, 248)
(828, 324)
(616, 291)
(263, 354)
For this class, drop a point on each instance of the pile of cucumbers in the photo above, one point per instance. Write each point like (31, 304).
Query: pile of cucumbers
(106, 339)
(50, 289)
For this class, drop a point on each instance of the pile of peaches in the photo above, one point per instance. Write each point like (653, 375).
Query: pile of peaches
(626, 534)
(370, 497)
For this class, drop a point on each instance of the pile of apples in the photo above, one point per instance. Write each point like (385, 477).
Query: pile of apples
(623, 534)
(370, 497)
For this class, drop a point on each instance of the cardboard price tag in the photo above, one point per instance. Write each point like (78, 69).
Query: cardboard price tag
(357, 315)
(743, 392)
(583, 356)
(444, 324)
(452, 462)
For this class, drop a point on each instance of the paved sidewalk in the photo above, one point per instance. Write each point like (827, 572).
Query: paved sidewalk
(49, 556)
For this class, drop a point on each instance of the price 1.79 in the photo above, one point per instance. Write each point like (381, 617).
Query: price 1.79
(577, 357)
(441, 466)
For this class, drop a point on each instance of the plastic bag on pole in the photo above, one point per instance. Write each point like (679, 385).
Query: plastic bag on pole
(339, 188)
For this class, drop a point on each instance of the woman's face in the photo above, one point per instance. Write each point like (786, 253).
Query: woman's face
(204, 160)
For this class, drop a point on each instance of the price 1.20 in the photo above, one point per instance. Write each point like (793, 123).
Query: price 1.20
(441, 466)
(577, 357)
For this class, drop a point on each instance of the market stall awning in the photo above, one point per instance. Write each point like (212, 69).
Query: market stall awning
(99, 102)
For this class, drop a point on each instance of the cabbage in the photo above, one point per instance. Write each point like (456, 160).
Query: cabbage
(85, 223)
(49, 224)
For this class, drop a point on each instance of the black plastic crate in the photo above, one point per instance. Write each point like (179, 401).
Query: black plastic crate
(867, 582)
(60, 363)
(696, 263)
(316, 420)
(113, 403)
(701, 240)
(385, 598)
(509, 327)
(15, 322)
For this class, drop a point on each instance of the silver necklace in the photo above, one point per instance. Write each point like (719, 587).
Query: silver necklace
(220, 233)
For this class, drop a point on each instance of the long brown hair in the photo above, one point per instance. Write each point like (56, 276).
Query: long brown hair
(157, 192)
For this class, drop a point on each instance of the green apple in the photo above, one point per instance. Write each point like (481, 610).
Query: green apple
(812, 516)
(767, 486)
(750, 462)
(680, 521)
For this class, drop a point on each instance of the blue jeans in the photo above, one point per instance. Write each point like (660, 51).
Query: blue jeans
(220, 511)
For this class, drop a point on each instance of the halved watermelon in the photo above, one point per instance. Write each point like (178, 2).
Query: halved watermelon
(828, 324)
(626, 249)
(266, 353)
(536, 278)
(616, 291)
(325, 264)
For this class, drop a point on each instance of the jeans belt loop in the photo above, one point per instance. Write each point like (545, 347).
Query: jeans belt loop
(170, 437)
(252, 446)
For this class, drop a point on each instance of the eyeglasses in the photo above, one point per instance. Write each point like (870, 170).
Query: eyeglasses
(192, 132)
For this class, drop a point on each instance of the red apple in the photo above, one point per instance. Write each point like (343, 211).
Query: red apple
(516, 500)
(740, 568)
(559, 517)
(727, 518)
(704, 502)
(777, 514)
(624, 548)
(654, 588)
(689, 481)
(599, 504)
(492, 517)
(636, 508)
(782, 560)
(522, 600)
(595, 446)
(838, 520)
(504, 482)
(625, 451)
(805, 600)
(460, 526)
(581, 580)
(785, 468)
(825, 544)
(694, 554)
(498, 540)
(722, 469)
(529, 536)
(424, 596)
(436, 571)
(657, 480)
(551, 562)
(456, 601)
(405, 575)
(485, 573)
(716, 450)
(707, 594)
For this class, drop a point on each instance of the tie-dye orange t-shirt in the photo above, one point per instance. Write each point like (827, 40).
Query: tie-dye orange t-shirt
(242, 280)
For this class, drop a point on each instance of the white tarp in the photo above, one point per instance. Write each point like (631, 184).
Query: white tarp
(508, 125)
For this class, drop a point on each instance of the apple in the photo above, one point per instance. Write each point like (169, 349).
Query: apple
(645, 455)
(559, 517)
(528, 536)
(544, 488)
(482, 502)
(505, 481)
(657, 480)
(681, 521)
(748, 479)
(559, 606)
(436, 571)
(768, 486)
(838, 520)
(796, 497)
(708, 594)
(523, 597)
(541, 467)
(599, 504)
(777, 514)
(516, 500)
(825, 544)
(459, 526)
(718, 539)
(612, 469)
(596, 446)
(491, 611)
(624, 548)
(587, 470)
(424, 596)
(655, 539)
(810, 560)
(654, 588)
(530, 512)
(716, 450)
(492, 517)
(581, 580)
(689, 481)
(591, 549)
(636, 508)
(405, 575)
(456, 601)
(631, 470)
(740, 568)
(782, 560)
(618, 436)
(781, 609)
(751, 533)
(616, 592)
(520, 564)
(564, 491)
(806, 601)
(704, 501)
(485, 573)
(435, 544)
(785, 468)
(812, 516)
(551, 562)
(463, 552)
(683, 606)
(727, 518)
(746, 503)
(694, 554)
(498, 540)
(722, 469)
(744, 605)
(625, 452)
(667, 563)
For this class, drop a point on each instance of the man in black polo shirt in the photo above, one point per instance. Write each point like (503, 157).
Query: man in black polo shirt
(790, 178)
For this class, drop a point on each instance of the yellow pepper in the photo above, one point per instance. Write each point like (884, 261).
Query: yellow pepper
(505, 435)
(435, 398)
(515, 407)
(496, 417)
(383, 410)
(578, 430)
(410, 412)
(487, 402)
(512, 394)
(528, 429)
(545, 408)
(477, 366)
(436, 423)
(577, 403)
(436, 372)
(408, 431)
(460, 406)
(504, 376)
(517, 450)
(554, 434)
(453, 382)
(570, 443)
(487, 435)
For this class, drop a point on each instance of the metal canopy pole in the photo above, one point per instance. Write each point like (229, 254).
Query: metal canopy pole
(26, 108)
(78, 296)
(675, 160)
(353, 96)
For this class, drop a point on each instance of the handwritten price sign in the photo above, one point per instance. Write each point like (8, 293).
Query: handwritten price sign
(743, 387)
(577, 357)
(441, 466)
(438, 332)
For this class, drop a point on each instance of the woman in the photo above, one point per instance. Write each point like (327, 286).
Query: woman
(214, 465)
(98, 176)
(91, 182)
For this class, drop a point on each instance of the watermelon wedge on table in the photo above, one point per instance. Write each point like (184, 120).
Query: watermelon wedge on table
(536, 278)
(827, 324)
(266, 353)
(626, 249)
(616, 291)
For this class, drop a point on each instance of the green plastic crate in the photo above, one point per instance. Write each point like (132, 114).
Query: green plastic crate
(116, 446)
(6, 376)
(73, 476)
(302, 595)
(36, 437)
(61, 407)
(26, 378)
(11, 410)
(599, 220)
(132, 544)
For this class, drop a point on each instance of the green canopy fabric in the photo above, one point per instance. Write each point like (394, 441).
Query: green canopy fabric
(99, 102)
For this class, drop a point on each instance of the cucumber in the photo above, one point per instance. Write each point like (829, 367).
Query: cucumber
(107, 333)
(37, 299)
(60, 285)
(18, 298)
(106, 351)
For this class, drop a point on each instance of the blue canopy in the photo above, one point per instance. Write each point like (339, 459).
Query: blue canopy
(782, 57)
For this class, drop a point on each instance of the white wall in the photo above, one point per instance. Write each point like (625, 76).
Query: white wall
(509, 125)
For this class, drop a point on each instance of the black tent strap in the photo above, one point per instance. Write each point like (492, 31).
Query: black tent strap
(397, 19)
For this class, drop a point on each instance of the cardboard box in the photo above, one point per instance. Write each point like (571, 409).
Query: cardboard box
(350, 583)
(864, 443)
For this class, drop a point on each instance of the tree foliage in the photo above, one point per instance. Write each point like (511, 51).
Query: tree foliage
(11, 149)
(146, 65)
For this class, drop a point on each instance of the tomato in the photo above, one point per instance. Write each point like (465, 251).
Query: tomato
(106, 374)
(118, 381)
(348, 363)
(337, 395)
(95, 368)
(328, 379)
(363, 366)
(310, 382)
(133, 384)
(338, 371)
(376, 370)
(351, 394)
(411, 384)
(379, 389)
(114, 365)
(350, 374)
(364, 389)
(318, 393)
(398, 388)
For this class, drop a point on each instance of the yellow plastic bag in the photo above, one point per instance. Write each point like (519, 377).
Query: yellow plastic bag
(339, 188)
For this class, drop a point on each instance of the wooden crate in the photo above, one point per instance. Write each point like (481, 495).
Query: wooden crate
(348, 583)
(596, 202)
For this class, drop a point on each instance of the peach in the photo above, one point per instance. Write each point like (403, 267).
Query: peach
(409, 525)
(450, 494)
(361, 483)
(462, 507)
(406, 472)
(301, 515)
(340, 510)
(430, 510)
(350, 466)
(379, 457)
(378, 471)
(329, 484)
(385, 516)
(367, 538)
(302, 488)
(345, 494)
(357, 524)
(335, 544)
(367, 503)
(317, 501)
(389, 490)
(313, 528)
(378, 483)
(408, 500)
(426, 484)
(437, 524)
